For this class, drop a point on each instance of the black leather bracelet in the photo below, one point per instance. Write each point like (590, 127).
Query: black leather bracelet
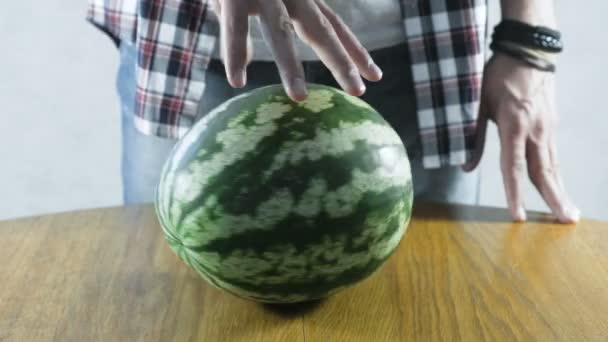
(535, 37)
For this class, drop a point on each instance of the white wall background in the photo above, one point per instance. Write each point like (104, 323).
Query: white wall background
(60, 141)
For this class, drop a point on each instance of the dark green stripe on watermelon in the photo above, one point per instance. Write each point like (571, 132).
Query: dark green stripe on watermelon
(312, 288)
(303, 232)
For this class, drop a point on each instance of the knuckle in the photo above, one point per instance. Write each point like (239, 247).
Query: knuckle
(519, 128)
(350, 71)
(538, 141)
(518, 166)
(540, 127)
(540, 131)
(316, 29)
(324, 23)
(283, 23)
(515, 168)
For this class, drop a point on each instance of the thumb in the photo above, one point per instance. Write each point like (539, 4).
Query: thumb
(480, 136)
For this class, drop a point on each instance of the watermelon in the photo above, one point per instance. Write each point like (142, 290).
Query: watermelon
(283, 202)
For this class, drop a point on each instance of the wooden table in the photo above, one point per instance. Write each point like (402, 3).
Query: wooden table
(460, 273)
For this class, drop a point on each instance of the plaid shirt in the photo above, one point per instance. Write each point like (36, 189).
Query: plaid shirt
(175, 41)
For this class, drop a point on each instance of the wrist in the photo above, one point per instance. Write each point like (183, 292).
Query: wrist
(533, 12)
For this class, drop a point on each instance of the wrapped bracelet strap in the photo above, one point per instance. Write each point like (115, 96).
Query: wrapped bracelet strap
(526, 55)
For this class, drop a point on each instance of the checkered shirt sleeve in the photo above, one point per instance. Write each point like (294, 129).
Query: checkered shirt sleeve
(174, 40)
(446, 42)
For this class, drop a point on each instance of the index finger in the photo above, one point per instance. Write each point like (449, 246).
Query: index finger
(360, 55)
(234, 24)
(318, 32)
(512, 162)
(279, 34)
(544, 174)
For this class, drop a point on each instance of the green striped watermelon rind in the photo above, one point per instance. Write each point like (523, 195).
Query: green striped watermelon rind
(345, 214)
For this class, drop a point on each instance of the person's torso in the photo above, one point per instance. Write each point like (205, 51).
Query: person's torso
(176, 39)
(376, 23)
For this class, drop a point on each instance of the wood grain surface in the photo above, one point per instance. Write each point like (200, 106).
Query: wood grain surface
(460, 274)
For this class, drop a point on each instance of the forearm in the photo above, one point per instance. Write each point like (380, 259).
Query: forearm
(534, 12)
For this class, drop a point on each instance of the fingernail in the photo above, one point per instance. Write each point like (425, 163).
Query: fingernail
(243, 77)
(298, 89)
(240, 78)
(520, 214)
(376, 70)
(359, 87)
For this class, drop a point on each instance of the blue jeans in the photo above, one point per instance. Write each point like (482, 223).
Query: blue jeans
(143, 156)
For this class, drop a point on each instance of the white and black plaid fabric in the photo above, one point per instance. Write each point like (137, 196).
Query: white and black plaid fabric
(175, 41)
(446, 42)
